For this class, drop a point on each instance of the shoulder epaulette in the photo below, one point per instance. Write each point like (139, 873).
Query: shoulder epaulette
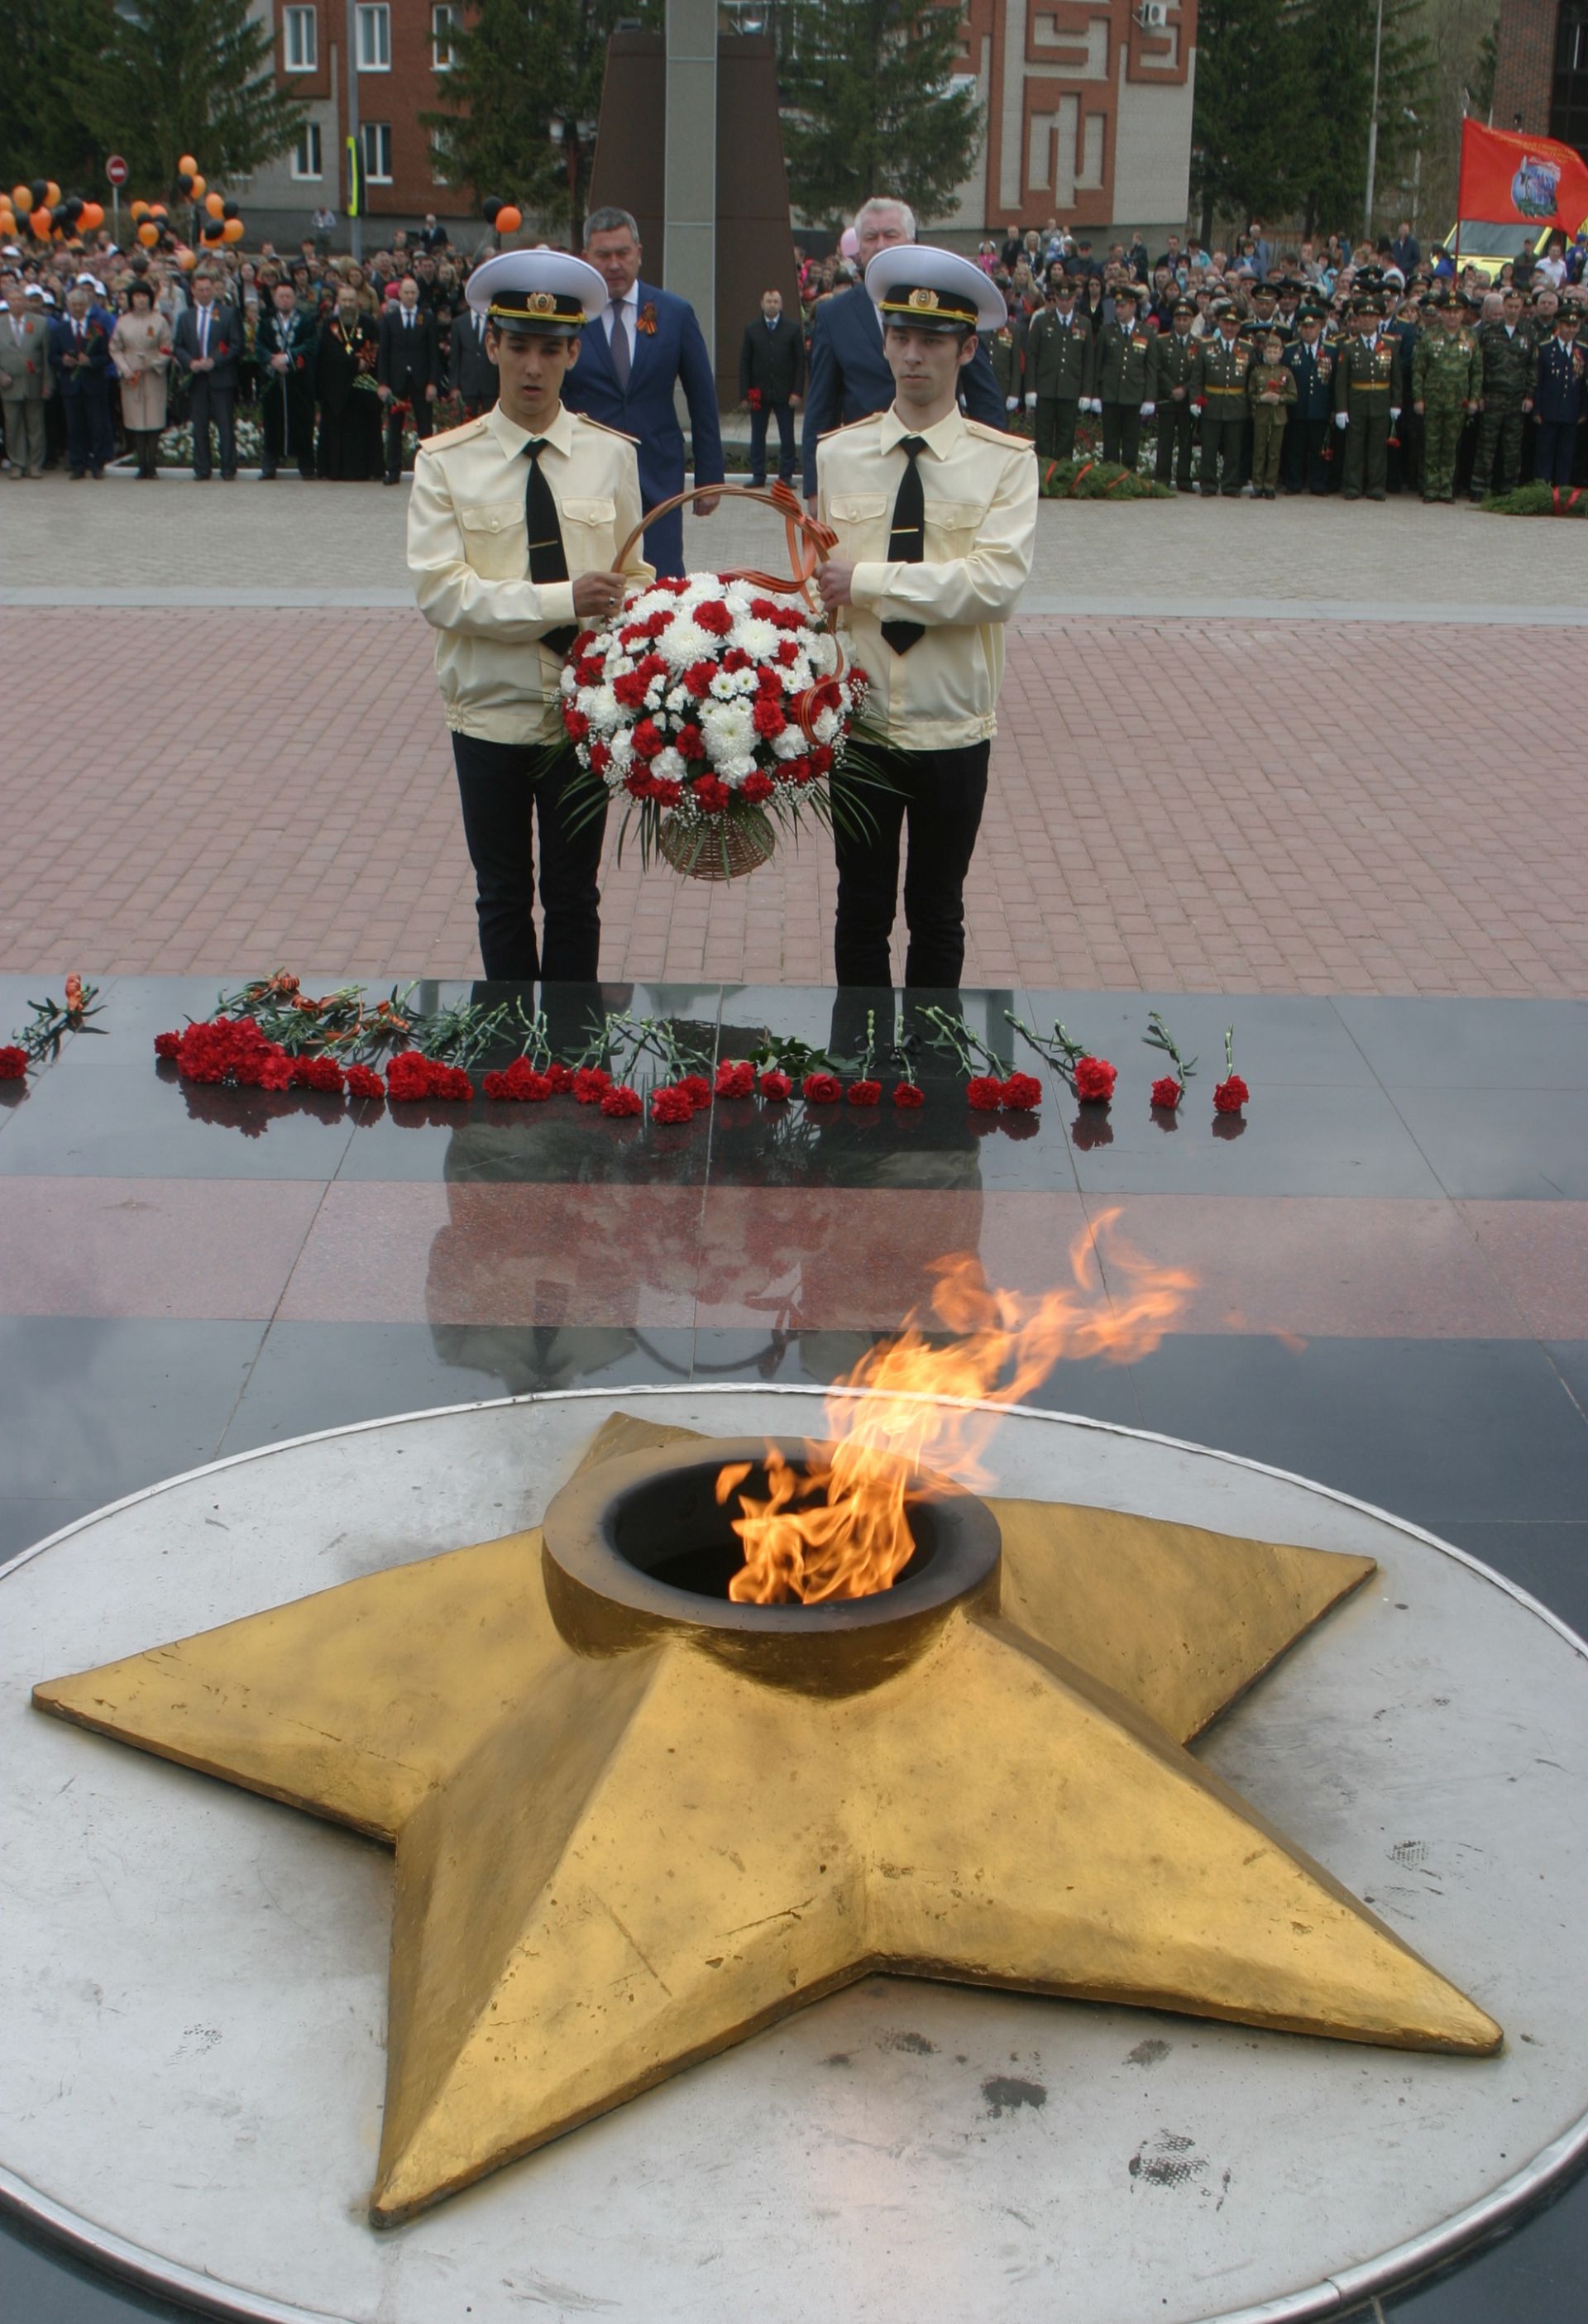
(459, 435)
(621, 434)
(847, 428)
(1010, 443)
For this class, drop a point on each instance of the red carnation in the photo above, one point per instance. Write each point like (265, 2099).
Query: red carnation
(768, 683)
(637, 784)
(1167, 1093)
(698, 678)
(713, 794)
(166, 1045)
(984, 1093)
(362, 1081)
(317, 1074)
(776, 1085)
(768, 718)
(589, 1083)
(797, 771)
(756, 788)
(908, 1095)
(561, 1079)
(735, 658)
(1021, 1094)
(788, 652)
(575, 722)
(734, 1080)
(763, 609)
(863, 1093)
(697, 1089)
(821, 758)
(520, 1082)
(13, 1064)
(665, 791)
(670, 1102)
(1095, 1079)
(1231, 1095)
(690, 742)
(631, 686)
(822, 1089)
(408, 1076)
(451, 1083)
(620, 1099)
(714, 616)
(633, 631)
(648, 738)
(600, 757)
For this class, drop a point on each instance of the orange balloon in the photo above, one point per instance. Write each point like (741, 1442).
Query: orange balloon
(20, 199)
(148, 233)
(93, 217)
(187, 259)
(233, 230)
(52, 196)
(214, 204)
(158, 210)
(8, 225)
(39, 224)
(139, 210)
(189, 165)
(509, 220)
(196, 191)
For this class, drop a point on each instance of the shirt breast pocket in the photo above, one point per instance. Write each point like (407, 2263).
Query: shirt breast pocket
(862, 520)
(494, 539)
(952, 527)
(588, 538)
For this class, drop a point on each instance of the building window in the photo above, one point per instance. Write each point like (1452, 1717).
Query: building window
(307, 160)
(374, 38)
(302, 40)
(441, 23)
(377, 150)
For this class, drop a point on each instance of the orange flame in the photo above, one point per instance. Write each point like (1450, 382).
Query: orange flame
(840, 1529)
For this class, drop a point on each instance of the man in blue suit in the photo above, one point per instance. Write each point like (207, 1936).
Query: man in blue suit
(630, 358)
(849, 378)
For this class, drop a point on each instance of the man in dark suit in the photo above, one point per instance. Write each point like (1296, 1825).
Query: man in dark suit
(408, 370)
(849, 377)
(207, 344)
(285, 347)
(472, 375)
(80, 351)
(630, 359)
(1307, 432)
(771, 379)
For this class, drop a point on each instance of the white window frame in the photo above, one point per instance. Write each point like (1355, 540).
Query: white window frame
(376, 137)
(375, 36)
(308, 161)
(444, 16)
(302, 54)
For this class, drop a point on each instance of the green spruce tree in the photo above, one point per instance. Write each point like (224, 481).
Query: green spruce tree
(1337, 46)
(46, 128)
(870, 107)
(194, 77)
(1251, 119)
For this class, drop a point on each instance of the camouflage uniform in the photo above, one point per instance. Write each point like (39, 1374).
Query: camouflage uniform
(1509, 361)
(1446, 379)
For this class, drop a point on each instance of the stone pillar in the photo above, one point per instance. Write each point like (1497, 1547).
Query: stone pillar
(689, 236)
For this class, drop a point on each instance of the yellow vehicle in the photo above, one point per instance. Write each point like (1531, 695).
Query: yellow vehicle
(1486, 248)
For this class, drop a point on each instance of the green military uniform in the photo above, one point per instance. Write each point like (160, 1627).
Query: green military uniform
(1219, 387)
(1059, 356)
(1509, 359)
(1006, 352)
(1269, 378)
(1173, 360)
(1446, 379)
(1367, 386)
(1122, 381)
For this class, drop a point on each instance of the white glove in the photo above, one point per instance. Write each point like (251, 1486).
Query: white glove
(1031, 402)
(1095, 405)
(1147, 410)
(1343, 420)
(1011, 403)
(1394, 414)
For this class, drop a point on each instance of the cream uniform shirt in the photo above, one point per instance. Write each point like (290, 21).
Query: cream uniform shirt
(469, 551)
(980, 491)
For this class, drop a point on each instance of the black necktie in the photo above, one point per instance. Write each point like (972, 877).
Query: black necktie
(548, 558)
(905, 543)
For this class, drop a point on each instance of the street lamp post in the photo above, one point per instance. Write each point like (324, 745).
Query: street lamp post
(354, 157)
(1367, 223)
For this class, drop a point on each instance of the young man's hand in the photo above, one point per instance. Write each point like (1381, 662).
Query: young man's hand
(832, 580)
(598, 592)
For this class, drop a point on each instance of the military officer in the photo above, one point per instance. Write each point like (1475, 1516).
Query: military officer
(1366, 392)
(1218, 392)
(1174, 359)
(1446, 382)
(1121, 382)
(514, 531)
(1059, 356)
(1006, 351)
(1560, 399)
(935, 517)
(1307, 438)
(1509, 353)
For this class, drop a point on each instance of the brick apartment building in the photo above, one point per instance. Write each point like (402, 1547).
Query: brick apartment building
(1541, 69)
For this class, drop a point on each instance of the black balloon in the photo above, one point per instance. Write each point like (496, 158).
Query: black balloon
(38, 188)
(185, 183)
(229, 210)
(488, 210)
(74, 207)
(213, 229)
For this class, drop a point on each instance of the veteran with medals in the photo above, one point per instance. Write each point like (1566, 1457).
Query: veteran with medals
(513, 531)
(936, 518)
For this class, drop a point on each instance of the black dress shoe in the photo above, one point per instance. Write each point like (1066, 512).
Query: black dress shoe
(390, 480)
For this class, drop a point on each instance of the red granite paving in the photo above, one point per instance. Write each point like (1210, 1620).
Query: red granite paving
(1199, 804)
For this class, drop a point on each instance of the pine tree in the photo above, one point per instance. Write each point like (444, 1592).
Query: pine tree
(194, 77)
(519, 65)
(870, 107)
(1338, 38)
(45, 128)
(1251, 117)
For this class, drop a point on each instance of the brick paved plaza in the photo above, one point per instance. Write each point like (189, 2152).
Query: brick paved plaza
(1284, 749)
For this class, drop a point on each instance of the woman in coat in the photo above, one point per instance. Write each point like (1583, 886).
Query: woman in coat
(140, 348)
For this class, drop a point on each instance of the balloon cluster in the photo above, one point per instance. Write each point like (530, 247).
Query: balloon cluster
(40, 208)
(504, 216)
(44, 211)
(221, 220)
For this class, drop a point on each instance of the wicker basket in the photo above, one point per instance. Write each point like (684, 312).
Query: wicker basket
(722, 847)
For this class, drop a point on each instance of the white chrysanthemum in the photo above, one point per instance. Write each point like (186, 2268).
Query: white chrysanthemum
(798, 677)
(729, 729)
(724, 686)
(790, 743)
(680, 702)
(654, 601)
(567, 683)
(825, 724)
(757, 637)
(822, 651)
(739, 597)
(601, 708)
(685, 642)
(672, 765)
(733, 770)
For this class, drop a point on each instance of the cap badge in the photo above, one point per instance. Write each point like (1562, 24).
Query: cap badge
(542, 302)
(924, 298)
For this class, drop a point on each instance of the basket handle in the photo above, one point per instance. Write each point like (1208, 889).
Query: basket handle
(809, 543)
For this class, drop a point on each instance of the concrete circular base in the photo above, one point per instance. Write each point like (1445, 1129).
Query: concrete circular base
(195, 1979)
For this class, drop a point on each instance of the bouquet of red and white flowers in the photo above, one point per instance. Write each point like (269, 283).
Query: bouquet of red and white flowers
(713, 710)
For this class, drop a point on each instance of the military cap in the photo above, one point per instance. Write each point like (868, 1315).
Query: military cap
(1369, 306)
(546, 293)
(1311, 314)
(1184, 306)
(1126, 290)
(918, 287)
(1439, 298)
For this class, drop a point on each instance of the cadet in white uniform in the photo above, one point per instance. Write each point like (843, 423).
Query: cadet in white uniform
(514, 530)
(936, 522)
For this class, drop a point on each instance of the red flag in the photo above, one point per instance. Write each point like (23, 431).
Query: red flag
(1512, 181)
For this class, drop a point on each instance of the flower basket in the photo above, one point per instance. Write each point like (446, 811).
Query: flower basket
(718, 705)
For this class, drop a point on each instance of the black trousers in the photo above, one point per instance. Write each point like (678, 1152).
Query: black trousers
(1177, 442)
(1222, 431)
(287, 416)
(215, 406)
(1122, 433)
(90, 440)
(784, 413)
(937, 799)
(506, 789)
(1305, 442)
(1555, 441)
(1057, 416)
(424, 421)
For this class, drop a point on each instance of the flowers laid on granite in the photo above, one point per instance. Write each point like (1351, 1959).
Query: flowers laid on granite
(821, 1089)
(716, 713)
(988, 1088)
(270, 1035)
(50, 1022)
(734, 1078)
(1168, 1089)
(907, 1096)
(775, 1086)
(1232, 1093)
(1092, 1078)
